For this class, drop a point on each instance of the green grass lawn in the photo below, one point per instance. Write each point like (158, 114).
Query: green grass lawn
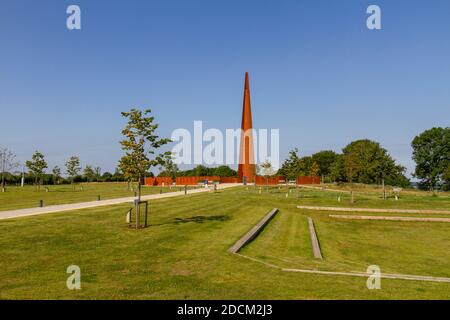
(28, 197)
(183, 254)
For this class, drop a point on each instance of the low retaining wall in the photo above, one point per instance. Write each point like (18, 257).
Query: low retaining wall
(314, 241)
(249, 236)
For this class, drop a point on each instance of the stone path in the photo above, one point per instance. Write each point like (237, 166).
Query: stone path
(373, 210)
(389, 218)
(92, 204)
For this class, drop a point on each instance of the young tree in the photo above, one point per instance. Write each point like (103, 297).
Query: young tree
(89, 173)
(36, 166)
(291, 166)
(169, 169)
(98, 173)
(140, 145)
(314, 170)
(56, 174)
(72, 169)
(7, 163)
(265, 169)
(431, 152)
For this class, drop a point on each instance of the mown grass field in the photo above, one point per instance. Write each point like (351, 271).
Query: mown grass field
(183, 254)
(28, 197)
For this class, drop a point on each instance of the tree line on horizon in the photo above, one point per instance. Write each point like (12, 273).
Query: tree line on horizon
(361, 161)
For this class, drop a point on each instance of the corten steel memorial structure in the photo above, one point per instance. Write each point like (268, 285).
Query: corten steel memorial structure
(247, 167)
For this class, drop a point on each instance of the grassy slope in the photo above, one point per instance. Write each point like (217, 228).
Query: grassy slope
(184, 253)
(27, 197)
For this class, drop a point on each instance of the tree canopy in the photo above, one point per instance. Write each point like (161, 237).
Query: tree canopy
(36, 166)
(431, 152)
(140, 144)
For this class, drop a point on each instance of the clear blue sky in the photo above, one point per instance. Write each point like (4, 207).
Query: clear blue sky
(316, 72)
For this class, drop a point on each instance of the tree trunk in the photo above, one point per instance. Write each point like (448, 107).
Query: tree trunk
(3, 181)
(139, 188)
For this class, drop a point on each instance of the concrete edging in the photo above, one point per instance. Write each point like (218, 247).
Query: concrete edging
(381, 218)
(250, 235)
(373, 210)
(314, 240)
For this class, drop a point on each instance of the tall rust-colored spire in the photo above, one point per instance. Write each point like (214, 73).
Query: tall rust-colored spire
(247, 167)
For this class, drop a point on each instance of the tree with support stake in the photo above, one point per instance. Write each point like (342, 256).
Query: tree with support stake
(37, 165)
(73, 168)
(140, 145)
(266, 170)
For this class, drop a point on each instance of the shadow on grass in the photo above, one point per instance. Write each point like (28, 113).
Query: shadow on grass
(196, 219)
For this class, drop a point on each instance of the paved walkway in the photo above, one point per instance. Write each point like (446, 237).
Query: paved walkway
(92, 204)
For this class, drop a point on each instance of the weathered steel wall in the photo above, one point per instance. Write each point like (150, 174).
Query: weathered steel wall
(260, 180)
(308, 180)
(158, 181)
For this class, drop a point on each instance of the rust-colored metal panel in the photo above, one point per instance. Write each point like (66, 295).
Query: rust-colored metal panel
(271, 181)
(158, 181)
(308, 180)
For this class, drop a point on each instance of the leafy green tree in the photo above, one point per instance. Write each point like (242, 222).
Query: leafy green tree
(325, 159)
(89, 173)
(72, 169)
(291, 166)
(140, 145)
(169, 169)
(56, 171)
(431, 152)
(7, 163)
(446, 177)
(224, 171)
(337, 170)
(314, 170)
(107, 176)
(296, 166)
(36, 166)
(365, 161)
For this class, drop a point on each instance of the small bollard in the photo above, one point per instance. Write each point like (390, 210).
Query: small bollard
(160, 190)
(41, 203)
(98, 198)
(185, 189)
(396, 198)
(339, 199)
